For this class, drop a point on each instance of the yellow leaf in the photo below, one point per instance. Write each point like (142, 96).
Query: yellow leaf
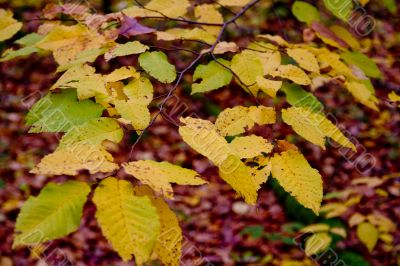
(315, 228)
(135, 111)
(140, 88)
(383, 223)
(8, 25)
(158, 8)
(270, 87)
(202, 136)
(234, 172)
(122, 73)
(234, 121)
(250, 146)
(209, 13)
(387, 238)
(293, 73)
(71, 159)
(298, 178)
(170, 8)
(169, 242)
(84, 79)
(73, 74)
(362, 93)
(369, 181)
(340, 231)
(66, 42)
(368, 235)
(189, 34)
(346, 36)
(129, 222)
(224, 47)
(314, 127)
(275, 39)
(304, 58)
(160, 175)
(317, 243)
(333, 60)
(332, 210)
(233, 2)
(394, 97)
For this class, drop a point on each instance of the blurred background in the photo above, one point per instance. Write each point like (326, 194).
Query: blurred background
(219, 228)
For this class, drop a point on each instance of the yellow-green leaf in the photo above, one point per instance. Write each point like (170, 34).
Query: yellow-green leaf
(129, 222)
(157, 65)
(160, 175)
(54, 213)
(314, 127)
(298, 178)
(213, 76)
(247, 66)
(368, 235)
(128, 48)
(93, 132)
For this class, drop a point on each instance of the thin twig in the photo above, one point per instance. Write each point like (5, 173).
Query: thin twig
(182, 73)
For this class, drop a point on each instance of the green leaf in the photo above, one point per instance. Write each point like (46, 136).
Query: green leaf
(255, 231)
(93, 132)
(342, 9)
(298, 97)
(305, 12)
(391, 6)
(363, 62)
(213, 76)
(351, 258)
(157, 65)
(54, 213)
(59, 112)
(11, 54)
(29, 39)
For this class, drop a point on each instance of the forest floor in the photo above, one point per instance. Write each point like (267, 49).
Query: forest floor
(218, 227)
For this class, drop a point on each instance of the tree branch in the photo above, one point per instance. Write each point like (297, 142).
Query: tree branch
(183, 72)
